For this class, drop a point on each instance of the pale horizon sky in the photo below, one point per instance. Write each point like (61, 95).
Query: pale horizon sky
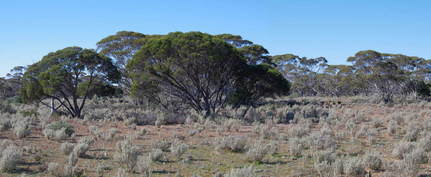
(335, 29)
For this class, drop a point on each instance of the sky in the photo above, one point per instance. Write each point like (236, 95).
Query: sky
(335, 29)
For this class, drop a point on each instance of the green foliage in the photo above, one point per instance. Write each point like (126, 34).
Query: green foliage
(62, 75)
(58, 125)
(122, 46)
(258, 81)
(192, 69)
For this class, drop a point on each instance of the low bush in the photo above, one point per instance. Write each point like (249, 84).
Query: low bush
(373, 160)
(83, 146)
(156, 155)
(231, 143)
(127, 154)
(58, 125)
(242, 172)
(10, 157)
(178, 149)
(66, 148)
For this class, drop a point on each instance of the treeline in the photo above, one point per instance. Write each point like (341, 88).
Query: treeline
(204, 72)
(371, 73)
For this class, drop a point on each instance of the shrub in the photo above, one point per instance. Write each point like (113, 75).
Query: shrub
(94, 131)
(127, 154)
(61, 134)
(58, 125)
(7, 108)
(419, 156)
(178, 149)
(354, 167)
(298, 130)
(232, 143)
(55, 169)
(163, 145)
(373, 160)
(328, 155)
(10, 158)
(242, 172)
(231, 125)
(67, 148)
(83, 146)
(161, 120)
(392, 127)
(109, 135)
(257, 152)
(58, 130)
(143, 166)
(412, 132)
(321, 142)
(5, 124)
(402, 148)
(22, 131)
(425, 143)
(142, 132)
(296, 146)
(156, 155)
(58, 170)
(252, 116)
(72, 160)
(121, 172)
(265, 131)
(324, 169)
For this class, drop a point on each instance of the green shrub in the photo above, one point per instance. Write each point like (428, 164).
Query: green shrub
(58, 125)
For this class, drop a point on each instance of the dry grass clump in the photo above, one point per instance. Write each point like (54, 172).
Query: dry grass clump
(161, 120)
(66, 148)
(164, 145)
(403, 148)
(253, 115)
(354, 167)
(300, 129)
(83, 146)
(127, 154)
(392, 127)
(231, 125)
(64, 170)
(21, 127)
(319, 141)
(10, 156)
(58, 130)
(109, 135)
(267, 130)
(231, 143)
(413, 131)
(242, 172)
(143, 166)
(425, 143)
(257, 151)
(373, 160)
(296, 146)
(178, 149)
(156, 155)
(5, 123)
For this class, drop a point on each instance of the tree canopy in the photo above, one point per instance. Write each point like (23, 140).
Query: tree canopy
(67, 76)
(194, 69)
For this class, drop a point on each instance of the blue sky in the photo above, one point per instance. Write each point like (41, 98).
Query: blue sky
(334, 29)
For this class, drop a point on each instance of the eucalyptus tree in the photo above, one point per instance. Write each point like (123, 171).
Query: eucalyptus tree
(200, 71)
(67, 77)
(192, 69)
(122, 46)
(303, 72)
(253, 53)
